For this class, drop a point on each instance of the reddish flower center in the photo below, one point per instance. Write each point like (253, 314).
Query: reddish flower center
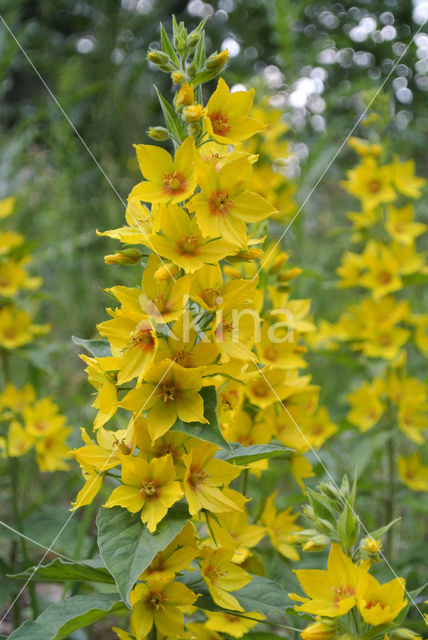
(143, 339)
(220, 203)
(167, 392)
(384, 277)
(149, 489)
(374, 186)
(219, 123)
(174, 183)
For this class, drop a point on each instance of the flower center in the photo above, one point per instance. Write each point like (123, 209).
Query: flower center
(155, 600)
(373, 603)
(374, 186)
(189, 245)
(260, 389)
(384, 277)
(210, 296)
(143, 338)
(213, 573)
(342, 592)
(197, 476)
(219, 123)
(174, 183)
(167, 392)
(149, 489)
(220, 203)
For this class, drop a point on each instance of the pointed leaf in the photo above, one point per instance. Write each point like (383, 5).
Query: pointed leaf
(167, 46)
(61, 571)
(126, 545)
(172, 120)
(62, 618)
(244, 455)
(97, 348)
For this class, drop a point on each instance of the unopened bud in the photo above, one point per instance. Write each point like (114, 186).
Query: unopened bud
(317, 543)
(278, 263)
(126, 256)
(193, 129)
(167, 271)
(370, 549)
(318, 631)
(403, 634)
(158, 57)
(179, 77)
(193, 112)
(217, 60)
(158, 133)
(193, 39)
(329, 490)
(290, 274)
(184, 97)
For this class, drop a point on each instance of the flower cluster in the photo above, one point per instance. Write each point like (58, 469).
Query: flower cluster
(198, 379)
(382, 326)
(29, 422)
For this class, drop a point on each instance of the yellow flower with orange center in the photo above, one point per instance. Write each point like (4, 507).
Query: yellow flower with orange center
(149, 487)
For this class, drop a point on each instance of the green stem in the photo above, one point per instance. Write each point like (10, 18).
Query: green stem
(390, 502)
(14, 478)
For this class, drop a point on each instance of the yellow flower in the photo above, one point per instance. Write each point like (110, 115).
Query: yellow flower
(168, 180)
(273, 385)
(149, 487)
(176, 557)
(227, 119)
(16, 328)
(7, 206)
(405, 180)
(380, 603)
(401, 225)
(105, 454)
(226, 202)
(366, 405)
(106, 400)
(168, 392)
(93, 483)
(140, 226)
(52, 451)
(412, 472)
(370, 183)
(163, 299)
(14, 277)
(17, 399)
(18, 441)
(222, 576)
(160, 604)
(234, 530)
(186, 346)
(231, 625)
(205, 478)
(333, 592)
(279, 527)
(183, 243)
(43, 418)
(133, 340)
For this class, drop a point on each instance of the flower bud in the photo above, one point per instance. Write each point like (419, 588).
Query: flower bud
(179, 77)
(167, 271)
(193, 39)
(318, 631)
(126, 256)
(158, 133)
(217, 60)
(370, 549)
(317, 543)
(184, 97)
(290, 274)
(158, 57)
(193, 112)
(403, 634)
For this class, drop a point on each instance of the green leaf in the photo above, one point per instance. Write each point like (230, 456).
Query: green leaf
(261, 594)
(126, 545)
(244, 455)
(205, 431)
(199, 56)
(61, 571)
(62, 618)
(167, 46)
(172, 120)
(97, 348)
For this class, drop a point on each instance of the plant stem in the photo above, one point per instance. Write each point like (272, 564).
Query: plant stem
(14, 479)
(83, 529)
(390, 502)
(244, 482)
